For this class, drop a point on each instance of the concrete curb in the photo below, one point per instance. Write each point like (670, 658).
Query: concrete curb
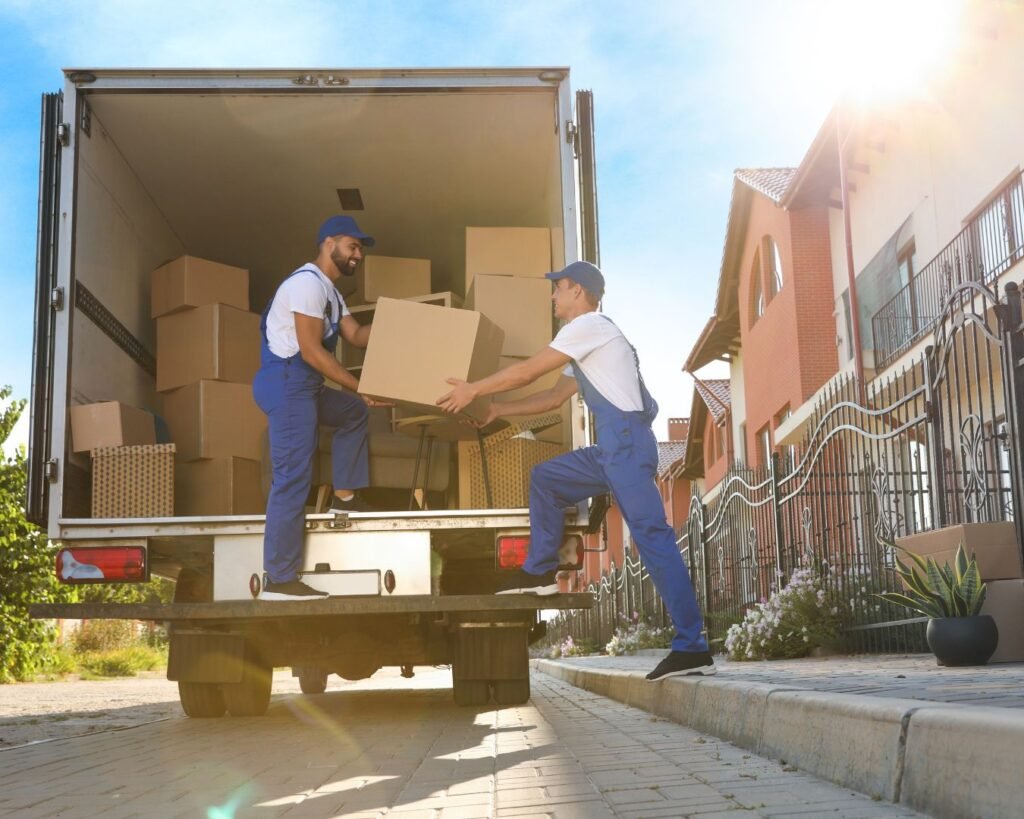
(943, 759)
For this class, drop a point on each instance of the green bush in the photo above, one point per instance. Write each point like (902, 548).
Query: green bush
(103, 635)
(122, 662)
(637, 634)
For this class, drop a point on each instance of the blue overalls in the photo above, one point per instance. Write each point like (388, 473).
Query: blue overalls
(293, 396)
(624, 461)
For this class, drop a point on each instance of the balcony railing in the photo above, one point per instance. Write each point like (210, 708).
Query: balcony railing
(988, 246)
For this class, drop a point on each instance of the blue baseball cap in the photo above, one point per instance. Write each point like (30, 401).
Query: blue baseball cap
(343, 226)
(583, 273)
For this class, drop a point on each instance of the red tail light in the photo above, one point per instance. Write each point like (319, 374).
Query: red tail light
(116, 564)
(512, 551)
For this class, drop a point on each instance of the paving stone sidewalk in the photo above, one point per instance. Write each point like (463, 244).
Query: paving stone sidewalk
(913, 676)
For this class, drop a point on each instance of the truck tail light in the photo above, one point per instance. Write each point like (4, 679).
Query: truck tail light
(512, 551)
(115, 564)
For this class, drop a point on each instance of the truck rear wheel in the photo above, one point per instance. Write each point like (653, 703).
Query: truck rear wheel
(511, 692)
(250, 696)
(313, 681)
(471, 692)
(202, 700)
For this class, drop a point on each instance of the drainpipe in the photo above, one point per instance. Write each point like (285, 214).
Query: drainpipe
(844, 189)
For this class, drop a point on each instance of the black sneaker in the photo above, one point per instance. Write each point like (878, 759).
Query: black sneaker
(354, 504)
(519, 582)
(684, 663)
(290, 590)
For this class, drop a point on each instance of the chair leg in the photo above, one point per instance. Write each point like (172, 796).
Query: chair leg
(416, 466)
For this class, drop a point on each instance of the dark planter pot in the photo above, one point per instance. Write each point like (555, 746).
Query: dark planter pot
(963, 640)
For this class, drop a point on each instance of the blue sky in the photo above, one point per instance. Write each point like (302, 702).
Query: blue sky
(685, 92)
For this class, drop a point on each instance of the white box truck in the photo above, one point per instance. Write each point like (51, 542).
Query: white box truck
(142, 166)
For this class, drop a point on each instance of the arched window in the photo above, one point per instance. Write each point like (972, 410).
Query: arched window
(757, 291)
(773, 259)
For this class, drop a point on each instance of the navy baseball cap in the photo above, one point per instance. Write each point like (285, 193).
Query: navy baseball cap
(583, 273)
(343, 226)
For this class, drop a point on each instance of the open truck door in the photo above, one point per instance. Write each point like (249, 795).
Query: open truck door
(50, 299)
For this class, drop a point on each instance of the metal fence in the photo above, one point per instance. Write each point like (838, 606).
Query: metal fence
(932, 445)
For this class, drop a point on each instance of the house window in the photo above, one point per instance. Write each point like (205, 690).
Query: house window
(764, 445)
(757, 299)
(788, 452)
(773, 259)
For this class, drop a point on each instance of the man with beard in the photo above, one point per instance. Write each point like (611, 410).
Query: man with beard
(299, 334)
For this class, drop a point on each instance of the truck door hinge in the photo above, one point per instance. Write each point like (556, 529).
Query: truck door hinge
(340, 521)
(64, 134)
(50, 470)
(571, 132)
(305, 79)
(57, 299)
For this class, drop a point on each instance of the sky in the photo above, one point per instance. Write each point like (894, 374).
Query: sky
(685, 92)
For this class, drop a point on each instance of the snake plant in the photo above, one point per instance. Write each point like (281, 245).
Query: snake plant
(938, 591)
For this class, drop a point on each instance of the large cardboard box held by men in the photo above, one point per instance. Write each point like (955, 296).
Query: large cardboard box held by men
(215, 419)
(109, 423)
(521, 307)
(133, 481)
(189, 281)
(507, 251)
(213, 341)
(414, 348)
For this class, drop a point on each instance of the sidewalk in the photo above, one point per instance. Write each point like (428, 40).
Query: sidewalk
(945, 741)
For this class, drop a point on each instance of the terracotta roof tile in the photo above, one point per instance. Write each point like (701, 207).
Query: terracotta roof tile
(715, 393)
(772, 182)
(669, 454)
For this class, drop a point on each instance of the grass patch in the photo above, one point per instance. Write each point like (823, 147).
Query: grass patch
(120, 662)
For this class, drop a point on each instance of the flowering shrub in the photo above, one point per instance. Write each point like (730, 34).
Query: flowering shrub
(572, 648)
(636, 635)
(798, 617)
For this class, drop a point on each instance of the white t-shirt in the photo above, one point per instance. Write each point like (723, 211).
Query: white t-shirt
(308, 293)
(605, 357)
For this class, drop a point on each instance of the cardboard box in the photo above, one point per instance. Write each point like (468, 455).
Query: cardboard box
(507, 251)
(415, 348)
(133, 481)
(351, 358)
(521, 307)
(995, 545)
(509, 461)
(213, 341)
(218, 486)
(215, 419)
(110, 423)
(392, 277)
(189, 281)
(1004, 600)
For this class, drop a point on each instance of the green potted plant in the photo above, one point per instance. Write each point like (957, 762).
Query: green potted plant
(951, 597)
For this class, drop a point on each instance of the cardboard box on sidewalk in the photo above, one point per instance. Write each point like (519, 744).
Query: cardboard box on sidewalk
(214, 341)
(109, 423)
(189, 281)
(995, 545)
(510, 457)
(215, 419)
(218, 486)
(415, 347)
(133, 481)
(519, 306)
(1004, 600)
(391, 277)
(507, 251)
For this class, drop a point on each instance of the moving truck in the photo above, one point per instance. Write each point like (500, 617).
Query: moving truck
(141, 167)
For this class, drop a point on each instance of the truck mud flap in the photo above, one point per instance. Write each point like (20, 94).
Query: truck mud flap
(204, 656)
(489, 651)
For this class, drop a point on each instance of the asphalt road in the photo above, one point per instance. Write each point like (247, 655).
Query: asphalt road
(379, 747)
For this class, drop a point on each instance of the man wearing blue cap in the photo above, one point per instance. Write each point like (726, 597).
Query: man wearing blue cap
(300, 329)
(597, 360)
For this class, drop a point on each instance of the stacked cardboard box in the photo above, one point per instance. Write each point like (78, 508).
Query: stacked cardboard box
(208, 351)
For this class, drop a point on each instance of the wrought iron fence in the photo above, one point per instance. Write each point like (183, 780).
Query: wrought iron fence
(934, 444)
(986, 248)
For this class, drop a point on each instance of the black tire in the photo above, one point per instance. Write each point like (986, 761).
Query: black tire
(313, 682)
(469, 693)
(201, 700)
(250, 696)
(512, 692)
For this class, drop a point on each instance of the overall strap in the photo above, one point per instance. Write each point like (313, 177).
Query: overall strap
(650, 406)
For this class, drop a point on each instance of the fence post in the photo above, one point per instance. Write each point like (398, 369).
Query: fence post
(1011, 320)
(936, 444)
(777, 515)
